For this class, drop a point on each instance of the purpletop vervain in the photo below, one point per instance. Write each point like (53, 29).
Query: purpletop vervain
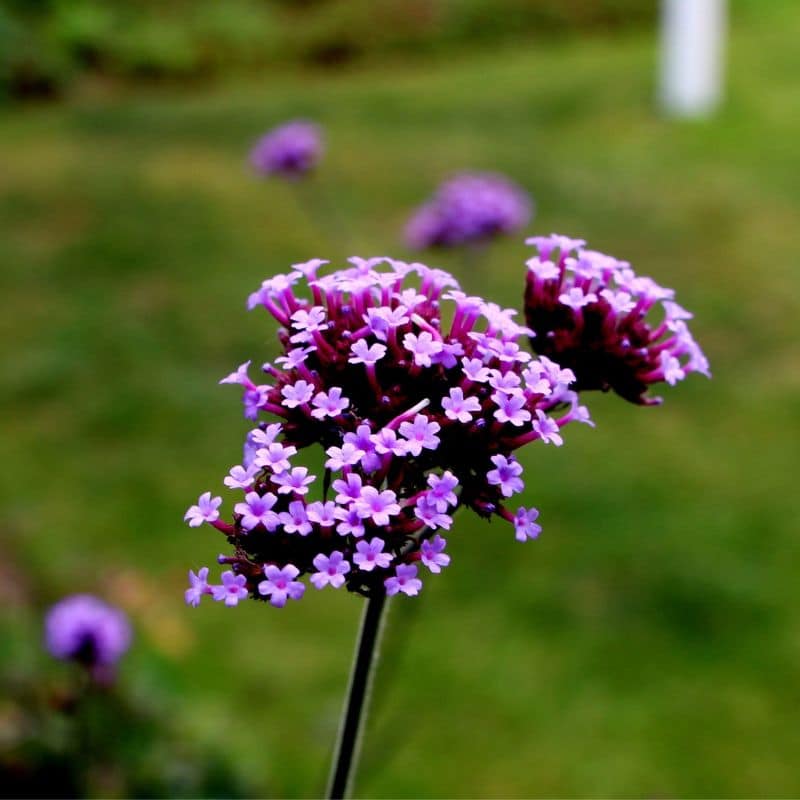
(84, 629)
(592, 314)
(469, 208)
(290, 150)
(417, 395)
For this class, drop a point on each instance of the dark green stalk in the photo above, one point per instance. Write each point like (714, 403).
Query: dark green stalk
(354, 712)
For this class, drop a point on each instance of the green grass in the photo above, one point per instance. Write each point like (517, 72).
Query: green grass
(647, 645)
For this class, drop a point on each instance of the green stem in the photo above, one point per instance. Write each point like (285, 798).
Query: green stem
(322, 215)
(354, 712)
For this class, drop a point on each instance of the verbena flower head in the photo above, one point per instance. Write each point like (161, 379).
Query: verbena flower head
(396, 400)
(290, 150)
(84, 629)
(469, 208)
(592, 314)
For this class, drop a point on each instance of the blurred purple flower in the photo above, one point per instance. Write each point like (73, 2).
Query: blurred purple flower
(469, 208)
(85, 629)
(291, 150)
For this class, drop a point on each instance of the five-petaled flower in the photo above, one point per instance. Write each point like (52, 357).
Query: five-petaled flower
(198, 586)
(274, 457)
(280, 584)
(442, 492)
(371, 554)
(257, 510)
(404, 580)
(363, 353)
(421, 433)
(433, 555)
(525, 526)
(206, 510)
(459, 408)
(547, 428)
(377, 506)
(330, 570)
(294, 481)
(506, 475)
(241, 478)
(329, 404)
(232, 590)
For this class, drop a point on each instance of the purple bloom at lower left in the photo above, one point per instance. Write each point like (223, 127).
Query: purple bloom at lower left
(87, 630)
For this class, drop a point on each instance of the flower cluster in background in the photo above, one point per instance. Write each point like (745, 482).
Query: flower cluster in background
(84, 629)
(593, 314)
(414, 395)
(468, 209)
(290, 150)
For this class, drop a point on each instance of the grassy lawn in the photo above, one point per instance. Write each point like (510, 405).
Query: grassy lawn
(646, 645)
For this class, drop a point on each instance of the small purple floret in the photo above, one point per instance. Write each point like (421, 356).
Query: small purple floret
(433, 555)
(198, 586)
(206, 510)
(257, 510)
(506, 475)
(330, 570)
(280, 584)
(370, 555)
(404, 580)
(232, 590)
(525, 526)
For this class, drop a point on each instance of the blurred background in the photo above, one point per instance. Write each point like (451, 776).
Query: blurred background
(646, 645)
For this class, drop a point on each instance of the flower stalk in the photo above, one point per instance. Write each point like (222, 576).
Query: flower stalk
(348, 743)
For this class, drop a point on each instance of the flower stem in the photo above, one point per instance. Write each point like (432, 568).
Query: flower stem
(349, 740)
(322, 214)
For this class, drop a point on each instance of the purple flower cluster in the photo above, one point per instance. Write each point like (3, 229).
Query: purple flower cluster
(469, 208)
(593, 315)
(290, 150)
(83, 628)
(417, 394)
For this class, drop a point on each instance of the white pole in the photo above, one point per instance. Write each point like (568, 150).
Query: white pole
(692, 45)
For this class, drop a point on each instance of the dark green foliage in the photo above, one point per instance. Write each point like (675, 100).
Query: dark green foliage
(43, 44)
(71, 739)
